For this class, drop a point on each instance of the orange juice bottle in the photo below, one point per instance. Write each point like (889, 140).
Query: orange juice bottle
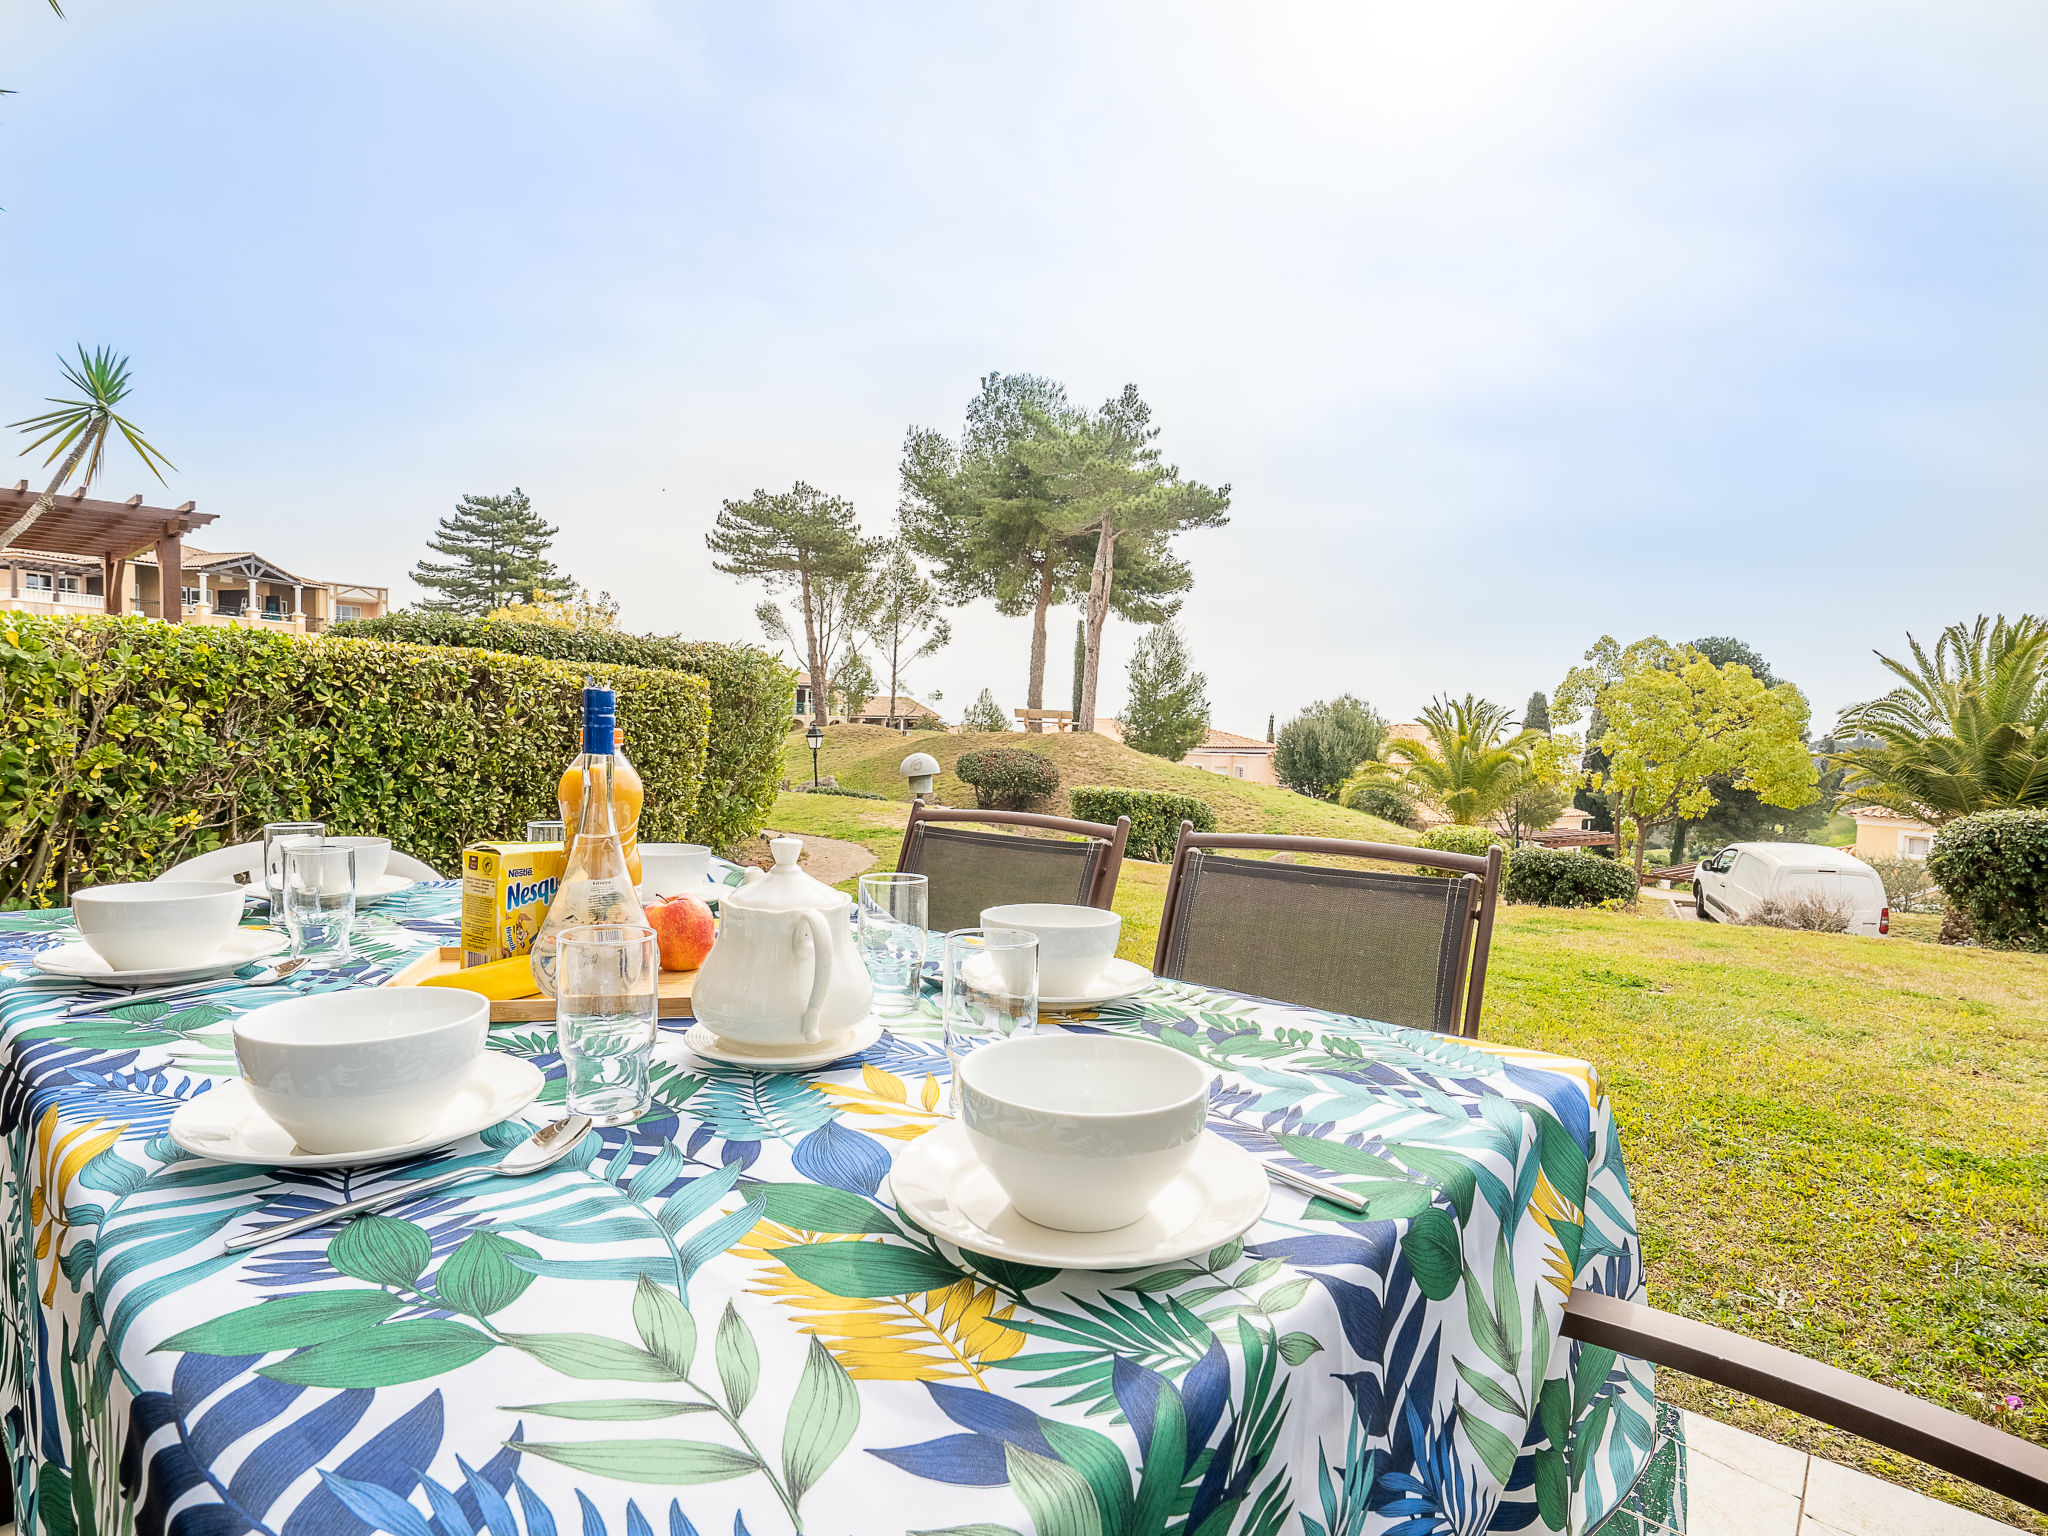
(628, 796)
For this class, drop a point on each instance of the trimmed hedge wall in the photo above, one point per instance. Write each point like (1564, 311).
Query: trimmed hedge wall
(1994, 865)
(1551, 877)
(1155, 816)
(131, 744)
(752, 694)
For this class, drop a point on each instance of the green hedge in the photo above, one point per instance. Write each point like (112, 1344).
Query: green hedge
(752, 694)
(1994, 865)
(1385, 802)
(1551, 877)
(1155, 816)
(132, 744)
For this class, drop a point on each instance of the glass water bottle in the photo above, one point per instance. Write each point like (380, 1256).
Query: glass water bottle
(596, 887)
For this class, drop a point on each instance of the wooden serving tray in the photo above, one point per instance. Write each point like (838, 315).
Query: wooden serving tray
(675, 990)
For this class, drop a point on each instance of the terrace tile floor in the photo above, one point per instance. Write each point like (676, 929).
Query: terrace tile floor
(1738, 1484)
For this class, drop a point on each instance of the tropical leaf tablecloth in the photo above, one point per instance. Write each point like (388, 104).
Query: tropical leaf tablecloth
(714, 1320)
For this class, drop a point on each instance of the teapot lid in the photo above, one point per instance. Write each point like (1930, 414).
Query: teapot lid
(785, 888)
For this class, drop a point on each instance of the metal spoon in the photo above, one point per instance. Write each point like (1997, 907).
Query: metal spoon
(547, 1145)
(267, 976)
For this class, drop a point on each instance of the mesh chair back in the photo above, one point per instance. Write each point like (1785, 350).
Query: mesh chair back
(973, 870)
(1359, 941)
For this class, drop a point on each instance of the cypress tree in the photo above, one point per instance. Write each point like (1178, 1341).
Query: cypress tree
(1536, 714)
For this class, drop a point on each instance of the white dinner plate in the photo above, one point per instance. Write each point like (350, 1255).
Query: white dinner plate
(1120, 979)
(783, 1059)
(78, 962)
(940, 1184)
(225, 1125)
(376, 890)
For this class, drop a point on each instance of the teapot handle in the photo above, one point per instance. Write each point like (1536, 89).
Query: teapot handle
(815, 923)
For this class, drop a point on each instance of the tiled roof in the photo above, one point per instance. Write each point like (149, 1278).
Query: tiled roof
(898, 704)
(1882, 813)
(1229, 741)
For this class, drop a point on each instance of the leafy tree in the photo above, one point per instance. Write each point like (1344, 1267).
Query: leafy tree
(78, 429)
(1966, 731)
(1541, 794)
(497, 549)
(1727, 651)
(1740, 815)
(1536, 716)
(854, 683)
(982, 515)
(1108, 483)
(985, 714)
(903, 618)
(808, 543)
(1674, 722)
(1593, 770)
(1167, 713)
(1322, 746)
(1466, 765)
(598, 615)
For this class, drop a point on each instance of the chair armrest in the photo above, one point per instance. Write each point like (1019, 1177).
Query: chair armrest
(1897, 1420)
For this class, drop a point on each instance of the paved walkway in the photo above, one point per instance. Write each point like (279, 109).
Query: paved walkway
(1739, 1484)
(829, 859)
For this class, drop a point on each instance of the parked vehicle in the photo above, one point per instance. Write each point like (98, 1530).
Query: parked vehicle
(1739, 882)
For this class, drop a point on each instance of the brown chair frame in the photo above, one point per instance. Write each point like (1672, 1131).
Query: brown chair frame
(1896, 1420)
(1103, 891)
(1483, 871)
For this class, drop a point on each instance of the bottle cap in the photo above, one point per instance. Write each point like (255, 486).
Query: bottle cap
(600, 719)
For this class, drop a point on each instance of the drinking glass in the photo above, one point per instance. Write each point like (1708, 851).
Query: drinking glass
(991, 982)
(607, 979)
(893, 913)
(547, 831)
(320, 898)
(276, 834)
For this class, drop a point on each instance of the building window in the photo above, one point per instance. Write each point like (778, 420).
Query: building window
(35, 581)
(1239, 772)
(191, 596)
(347, 611)
(1912, 847)
(67, 586)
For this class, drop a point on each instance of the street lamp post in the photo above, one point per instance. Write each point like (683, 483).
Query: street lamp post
(816, 739)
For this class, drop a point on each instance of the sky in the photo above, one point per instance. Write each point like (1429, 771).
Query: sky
(1509, 326)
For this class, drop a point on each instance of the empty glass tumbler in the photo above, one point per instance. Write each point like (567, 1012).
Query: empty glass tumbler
(991, 991)
(893, 938)
(607, 997)
(319, 898)
(276, 836)
(547, 831)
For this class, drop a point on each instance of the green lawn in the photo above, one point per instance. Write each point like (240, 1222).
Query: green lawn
(1837, 1144)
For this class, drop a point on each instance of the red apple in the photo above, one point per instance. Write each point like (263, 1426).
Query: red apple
(683, 928)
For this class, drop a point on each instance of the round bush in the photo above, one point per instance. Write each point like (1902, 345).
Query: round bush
(1008, 778)
(1385, 802)
(1994, 866)
(1550, 877)
(1452, 838)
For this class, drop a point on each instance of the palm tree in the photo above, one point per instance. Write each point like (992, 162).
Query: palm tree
(1967, 731)
(79, 429)
(1467, 766)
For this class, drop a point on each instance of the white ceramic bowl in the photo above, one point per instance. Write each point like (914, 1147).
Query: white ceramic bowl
(158, 924)
(372, 854)
(347, 1070)
(673, 869)
(1075, 944)
(1082, 1131)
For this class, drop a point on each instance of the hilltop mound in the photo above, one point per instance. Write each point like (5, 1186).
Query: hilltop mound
(865, 757)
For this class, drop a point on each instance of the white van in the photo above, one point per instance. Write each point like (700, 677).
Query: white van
(1735, 881)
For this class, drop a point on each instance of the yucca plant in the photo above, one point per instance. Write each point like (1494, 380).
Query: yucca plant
(78, 430)
(1467, 765)
(1967, 730)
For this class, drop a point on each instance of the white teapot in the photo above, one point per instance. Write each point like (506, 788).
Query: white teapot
(785, 970)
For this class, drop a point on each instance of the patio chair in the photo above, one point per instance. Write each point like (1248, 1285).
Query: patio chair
(972, 870)
(1951, 1441)
(243, 864)
(1403, 949)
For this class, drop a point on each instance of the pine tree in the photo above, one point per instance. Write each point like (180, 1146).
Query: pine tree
(985, 714)
(1080, 661)
(497, 548)
(1536, 713)
(1167, 713)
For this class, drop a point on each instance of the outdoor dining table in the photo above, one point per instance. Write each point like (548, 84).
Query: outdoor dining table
(715, 1319)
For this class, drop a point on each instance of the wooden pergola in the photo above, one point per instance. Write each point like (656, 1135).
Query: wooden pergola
(113, 532)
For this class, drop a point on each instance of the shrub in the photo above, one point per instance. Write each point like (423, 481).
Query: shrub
(1907, 885)
(1550, 877)
(1385, 802)
(132, 744)
(1452, 838)
(752, 694)
(1155, 816)
(1008, 778)
(1810, 912)
(834, 789)
(985, 714)
(1993, 866)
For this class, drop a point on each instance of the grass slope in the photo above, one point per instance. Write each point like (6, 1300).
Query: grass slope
(865, 757)
(1837, 1144)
